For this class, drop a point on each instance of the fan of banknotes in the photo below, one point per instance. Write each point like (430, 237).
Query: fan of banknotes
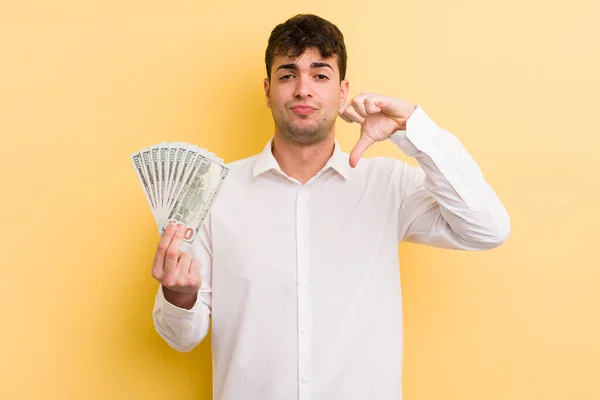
(181, 182)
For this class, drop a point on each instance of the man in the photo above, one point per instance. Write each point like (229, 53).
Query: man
(297, 264)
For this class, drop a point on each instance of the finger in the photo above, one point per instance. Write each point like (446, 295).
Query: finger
(184, 262)
(371, 105)
(358, 103)
(341, 113)
(383, 103)
(351, 113)
(172, 277)
(161, 251)
(183, 269)
(173, 251)
(363, 143)
(362, 96)
(196, 273)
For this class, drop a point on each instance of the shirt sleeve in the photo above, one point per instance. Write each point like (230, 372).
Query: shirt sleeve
(446, 202)
(183, 329)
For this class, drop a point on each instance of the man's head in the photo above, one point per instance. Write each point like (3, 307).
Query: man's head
(305, 31)
(305, 84)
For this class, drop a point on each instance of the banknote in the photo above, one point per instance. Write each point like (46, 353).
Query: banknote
(180, 182)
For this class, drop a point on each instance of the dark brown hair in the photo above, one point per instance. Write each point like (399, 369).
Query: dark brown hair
(305, 31)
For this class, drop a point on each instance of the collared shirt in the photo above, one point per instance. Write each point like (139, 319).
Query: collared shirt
(302, 282)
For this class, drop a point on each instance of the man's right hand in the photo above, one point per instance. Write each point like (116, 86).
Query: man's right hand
(177, 272)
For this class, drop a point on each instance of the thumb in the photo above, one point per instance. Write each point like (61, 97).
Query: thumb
(363, 143)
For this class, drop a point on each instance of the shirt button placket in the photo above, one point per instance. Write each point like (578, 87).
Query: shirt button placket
(304, 315)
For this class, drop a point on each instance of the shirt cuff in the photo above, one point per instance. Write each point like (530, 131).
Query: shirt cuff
(420, 130)
(172, 310)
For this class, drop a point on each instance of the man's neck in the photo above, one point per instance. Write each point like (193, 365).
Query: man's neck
(302, 162)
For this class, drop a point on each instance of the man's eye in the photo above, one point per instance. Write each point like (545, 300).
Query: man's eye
(322, 77)
(284, 77)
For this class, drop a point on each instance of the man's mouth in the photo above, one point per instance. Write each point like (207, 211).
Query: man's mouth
(303, 109)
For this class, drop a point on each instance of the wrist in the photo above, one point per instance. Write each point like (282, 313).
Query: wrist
(401, 122)
(178, 299)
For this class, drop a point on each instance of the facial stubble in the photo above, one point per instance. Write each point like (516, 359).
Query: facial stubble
(305, 136)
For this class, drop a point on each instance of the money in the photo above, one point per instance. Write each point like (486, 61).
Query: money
(180, 182)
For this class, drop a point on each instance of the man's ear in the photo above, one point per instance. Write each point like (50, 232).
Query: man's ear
(267, 95)
(344, 90)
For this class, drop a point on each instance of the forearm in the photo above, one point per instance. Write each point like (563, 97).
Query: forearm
(451, 186)
(181, 323)
(476, 217)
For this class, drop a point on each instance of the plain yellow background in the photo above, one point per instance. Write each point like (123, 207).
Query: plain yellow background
(83, 84)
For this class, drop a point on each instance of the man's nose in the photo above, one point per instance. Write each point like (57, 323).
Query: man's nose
(303, 87)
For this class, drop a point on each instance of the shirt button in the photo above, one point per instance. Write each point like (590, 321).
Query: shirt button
(303, 331)
(304, 379)
(303, 281)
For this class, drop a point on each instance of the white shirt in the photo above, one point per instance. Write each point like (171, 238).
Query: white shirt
(302, 282)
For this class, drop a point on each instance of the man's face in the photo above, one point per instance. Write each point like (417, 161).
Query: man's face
(304, 95)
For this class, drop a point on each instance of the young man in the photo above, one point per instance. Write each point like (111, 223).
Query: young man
(297, 265)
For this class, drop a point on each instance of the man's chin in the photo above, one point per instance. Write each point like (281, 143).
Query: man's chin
(306, 137)
(305, 132)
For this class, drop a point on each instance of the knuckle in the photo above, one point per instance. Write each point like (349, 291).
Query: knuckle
(186, 255)
(156, 275)
(172, 252)
(183, 281)
(168, 281)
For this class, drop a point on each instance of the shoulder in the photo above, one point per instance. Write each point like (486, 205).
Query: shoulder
(243, 162)
(239, 176)
(241, 168)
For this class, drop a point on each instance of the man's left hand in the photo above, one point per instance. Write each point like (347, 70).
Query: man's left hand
(379, 116)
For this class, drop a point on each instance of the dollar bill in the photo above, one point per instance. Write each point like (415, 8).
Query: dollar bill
(163, 154)
(197, 196)
(180, 182)
(147, 162)
(154, 160)
(143, 177)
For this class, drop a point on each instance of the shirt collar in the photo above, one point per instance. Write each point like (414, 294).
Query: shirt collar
(265, 161)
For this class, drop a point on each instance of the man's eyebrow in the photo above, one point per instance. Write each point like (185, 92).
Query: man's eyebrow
(294, 66)
(321, 65)
(287, 66)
